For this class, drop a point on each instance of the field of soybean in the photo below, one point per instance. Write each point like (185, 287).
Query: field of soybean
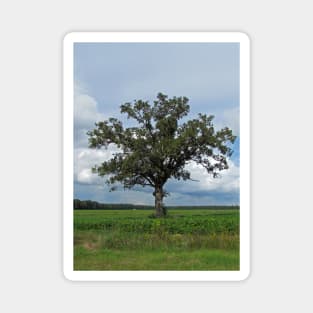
(187, 239)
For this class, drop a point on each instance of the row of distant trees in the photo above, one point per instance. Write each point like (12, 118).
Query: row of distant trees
(94, 205)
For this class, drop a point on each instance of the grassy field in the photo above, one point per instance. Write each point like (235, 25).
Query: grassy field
(197, 239)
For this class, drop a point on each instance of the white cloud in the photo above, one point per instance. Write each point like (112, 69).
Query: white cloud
(85, 115)
(205, 183)
(85, 176)
(85, 112)
(228, 180)
(85, 159)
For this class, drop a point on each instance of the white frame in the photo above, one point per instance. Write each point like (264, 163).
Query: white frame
(68, 106)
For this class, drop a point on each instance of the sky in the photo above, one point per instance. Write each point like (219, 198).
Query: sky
(107, 75)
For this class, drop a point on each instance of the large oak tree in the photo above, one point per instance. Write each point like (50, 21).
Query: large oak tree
(159, 147)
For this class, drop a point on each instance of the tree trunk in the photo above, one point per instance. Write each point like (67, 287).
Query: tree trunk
(158, 194)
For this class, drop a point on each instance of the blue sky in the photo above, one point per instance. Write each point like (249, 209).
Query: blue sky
(107, 75)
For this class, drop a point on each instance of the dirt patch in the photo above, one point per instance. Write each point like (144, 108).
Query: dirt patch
(90, 245)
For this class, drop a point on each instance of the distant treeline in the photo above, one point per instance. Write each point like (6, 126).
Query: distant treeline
(93, 205)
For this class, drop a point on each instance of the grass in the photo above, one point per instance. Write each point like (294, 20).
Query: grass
(130, 240)
(111, 259)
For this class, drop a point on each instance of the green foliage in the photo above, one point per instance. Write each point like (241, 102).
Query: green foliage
(209, 222)
(159, 147)
(128, 240)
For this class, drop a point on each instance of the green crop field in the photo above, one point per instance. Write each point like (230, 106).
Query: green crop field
(187, 239)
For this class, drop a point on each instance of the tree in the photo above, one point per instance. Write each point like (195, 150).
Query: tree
(159, 148)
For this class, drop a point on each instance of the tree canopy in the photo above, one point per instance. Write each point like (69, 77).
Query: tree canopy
(159, 147)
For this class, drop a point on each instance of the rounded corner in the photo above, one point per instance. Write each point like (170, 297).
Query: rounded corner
(245, 275)
(244, 37)
(68, 275)
(69, 37)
